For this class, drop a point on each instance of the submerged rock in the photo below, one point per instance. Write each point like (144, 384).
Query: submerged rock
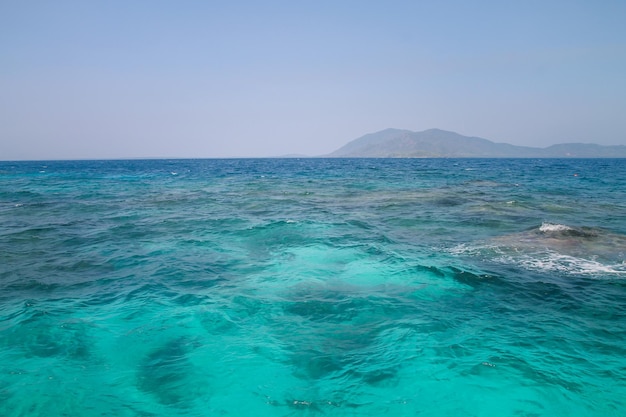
(168, 374)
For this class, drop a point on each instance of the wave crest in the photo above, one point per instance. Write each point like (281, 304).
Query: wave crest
(557, 230)
(555, 248)
(550, 227)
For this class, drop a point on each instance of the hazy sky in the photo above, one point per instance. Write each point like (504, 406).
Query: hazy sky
(110, 79)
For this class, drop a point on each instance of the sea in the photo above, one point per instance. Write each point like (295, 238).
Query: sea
(313, 287)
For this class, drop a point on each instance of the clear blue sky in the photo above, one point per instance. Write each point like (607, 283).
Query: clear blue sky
(110, 79)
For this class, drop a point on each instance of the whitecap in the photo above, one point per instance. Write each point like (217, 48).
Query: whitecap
(551, 227)
(541, 260)
(558, 262)
(556, 248)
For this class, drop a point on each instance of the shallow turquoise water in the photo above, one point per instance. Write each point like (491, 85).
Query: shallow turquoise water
(316, 286)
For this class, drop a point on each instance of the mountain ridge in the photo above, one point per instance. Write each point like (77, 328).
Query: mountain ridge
(438, 143)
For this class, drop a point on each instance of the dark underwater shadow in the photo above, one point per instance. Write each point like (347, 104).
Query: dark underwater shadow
(42, 333)
(169, 375)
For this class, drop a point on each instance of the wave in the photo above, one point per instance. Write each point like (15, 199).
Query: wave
(556, 230)
(555, 247)
(550, 227)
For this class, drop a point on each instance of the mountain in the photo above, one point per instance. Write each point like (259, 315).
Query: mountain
(437, 143)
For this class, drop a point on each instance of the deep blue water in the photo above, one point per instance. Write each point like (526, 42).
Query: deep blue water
(338, 287)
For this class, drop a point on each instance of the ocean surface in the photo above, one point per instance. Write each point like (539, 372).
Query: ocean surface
(305, 287)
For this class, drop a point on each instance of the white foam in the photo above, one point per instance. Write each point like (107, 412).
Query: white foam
(558, 262)
(540, 260)
(551, 227)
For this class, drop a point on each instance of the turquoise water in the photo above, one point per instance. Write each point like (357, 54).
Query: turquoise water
(313, 287)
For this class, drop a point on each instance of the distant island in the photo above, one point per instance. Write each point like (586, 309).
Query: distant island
(437, 143)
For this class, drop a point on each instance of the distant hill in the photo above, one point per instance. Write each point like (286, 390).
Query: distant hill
(436, 143)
